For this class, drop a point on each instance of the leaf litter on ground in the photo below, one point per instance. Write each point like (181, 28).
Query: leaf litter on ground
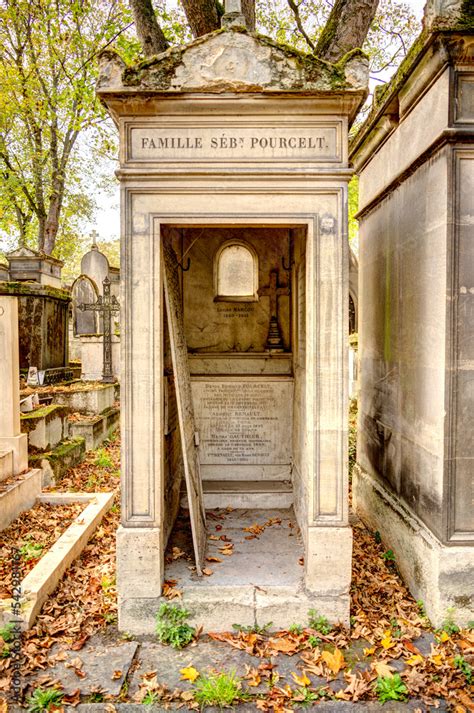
(386, 625)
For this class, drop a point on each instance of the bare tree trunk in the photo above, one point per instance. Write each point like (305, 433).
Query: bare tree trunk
(248, 9)
(202, 16)
(148, 30)
(346, 28)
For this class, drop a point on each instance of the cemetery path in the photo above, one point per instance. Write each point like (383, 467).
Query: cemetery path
(390, 654)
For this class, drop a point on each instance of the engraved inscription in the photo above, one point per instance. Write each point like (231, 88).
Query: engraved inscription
(303, 143)
(244, 422)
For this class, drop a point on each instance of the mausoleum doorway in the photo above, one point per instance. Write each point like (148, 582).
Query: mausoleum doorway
(246, 357)
(242, 291)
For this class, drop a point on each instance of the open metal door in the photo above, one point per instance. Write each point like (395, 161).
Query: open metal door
(187, 424)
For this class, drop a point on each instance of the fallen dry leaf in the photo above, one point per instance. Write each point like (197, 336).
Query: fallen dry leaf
(334, 661)
(414, 660)
(387, 641)
(302, 680)
(285, 646)
(189, 673)
(382, 669)
(213, 559)
(116, 675)
(207, 571)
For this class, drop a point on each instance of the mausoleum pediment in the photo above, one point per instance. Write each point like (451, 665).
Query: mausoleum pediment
(233, 60)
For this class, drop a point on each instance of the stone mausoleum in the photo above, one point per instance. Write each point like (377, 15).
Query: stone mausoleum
(234, 162)
(415, 157)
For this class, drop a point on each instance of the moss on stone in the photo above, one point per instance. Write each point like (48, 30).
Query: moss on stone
(34, 289)
(467, 16)
(46, 412)
(65, 447)
(161, 68)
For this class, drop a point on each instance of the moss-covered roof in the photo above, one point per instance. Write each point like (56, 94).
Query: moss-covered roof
(234, 58)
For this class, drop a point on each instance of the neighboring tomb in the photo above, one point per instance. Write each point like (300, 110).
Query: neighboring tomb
(25, 264)
(415, 158)
(35, 279)
(86, 336)
(234, 159)
(20, 486)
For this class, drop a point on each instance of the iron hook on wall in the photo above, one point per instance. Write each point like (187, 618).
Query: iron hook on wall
(188, 265)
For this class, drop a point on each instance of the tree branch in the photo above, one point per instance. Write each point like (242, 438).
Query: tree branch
(296, 12)
(346, 28)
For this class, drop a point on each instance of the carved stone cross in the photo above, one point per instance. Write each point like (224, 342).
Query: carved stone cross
(273, 291)
(94, 236)
(106, 305)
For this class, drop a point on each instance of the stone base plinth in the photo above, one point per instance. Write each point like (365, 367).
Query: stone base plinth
(92, 357)
(140, 573)
(19, 446)
(439, 575)
(328, 569)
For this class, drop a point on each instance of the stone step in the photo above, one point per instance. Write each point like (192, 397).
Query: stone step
(254, 494)
(19, 495)
(6, 464)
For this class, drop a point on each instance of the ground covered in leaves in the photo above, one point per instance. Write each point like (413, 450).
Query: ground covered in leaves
(390, 653)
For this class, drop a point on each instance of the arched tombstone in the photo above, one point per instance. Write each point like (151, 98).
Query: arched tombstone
(95, 265)
(84, 291)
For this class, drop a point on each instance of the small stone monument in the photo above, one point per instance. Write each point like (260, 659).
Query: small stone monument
(35, 278)
(263, 127)
(84, 291)
(87, 328)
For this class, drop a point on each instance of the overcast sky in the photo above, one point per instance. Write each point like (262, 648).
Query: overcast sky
(108, 218)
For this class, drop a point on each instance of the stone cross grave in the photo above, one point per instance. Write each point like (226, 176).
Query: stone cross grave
(106, 305)
(273, 291)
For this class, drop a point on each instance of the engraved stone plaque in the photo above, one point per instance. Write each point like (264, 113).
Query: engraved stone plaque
(245, 420)
(312, 142)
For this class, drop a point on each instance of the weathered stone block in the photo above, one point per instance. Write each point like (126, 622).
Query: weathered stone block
(45, 427)
(19, 496)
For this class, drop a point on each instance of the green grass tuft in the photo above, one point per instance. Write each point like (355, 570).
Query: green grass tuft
(43, 699)
(218, 689)
(320, 623)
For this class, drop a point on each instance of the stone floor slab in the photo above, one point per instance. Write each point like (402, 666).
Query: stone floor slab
(101, 664)
(204, 656)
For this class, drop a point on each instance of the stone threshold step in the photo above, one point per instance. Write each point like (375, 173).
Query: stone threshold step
(247, 486)
(253, 494)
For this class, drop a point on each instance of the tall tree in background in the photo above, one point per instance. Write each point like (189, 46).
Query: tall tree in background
(48, 108)
(346, 27)
(47, 74)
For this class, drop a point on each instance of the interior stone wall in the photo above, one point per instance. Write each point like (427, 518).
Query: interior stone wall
(227, 326)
